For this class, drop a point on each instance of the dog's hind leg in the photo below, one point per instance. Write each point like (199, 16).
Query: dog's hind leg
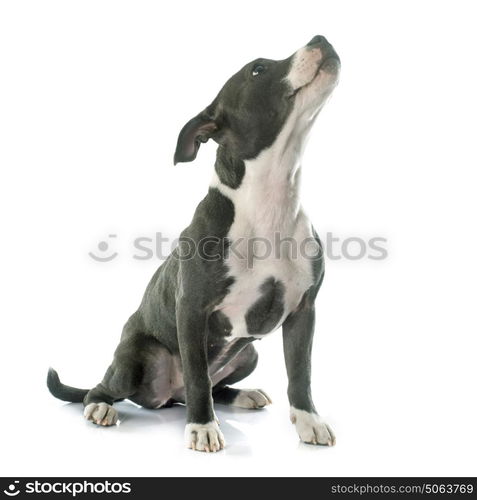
(122, 379)
(238, 368)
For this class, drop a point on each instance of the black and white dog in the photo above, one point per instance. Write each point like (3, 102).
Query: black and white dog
(191, 337)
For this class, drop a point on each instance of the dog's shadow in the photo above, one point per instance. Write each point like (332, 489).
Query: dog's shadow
(133, 418)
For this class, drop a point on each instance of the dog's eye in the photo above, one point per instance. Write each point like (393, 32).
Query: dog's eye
(257, 69)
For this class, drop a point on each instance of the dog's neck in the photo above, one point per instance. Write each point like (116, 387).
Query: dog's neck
(265, 190)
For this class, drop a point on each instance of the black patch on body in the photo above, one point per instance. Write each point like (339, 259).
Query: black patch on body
(219, 325)
(265, 314)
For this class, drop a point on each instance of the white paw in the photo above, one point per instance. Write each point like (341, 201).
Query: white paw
(251, 398)
(311, 428)
(204, 437)
(101, 414)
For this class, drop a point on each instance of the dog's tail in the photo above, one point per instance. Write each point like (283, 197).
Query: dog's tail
(64, 392)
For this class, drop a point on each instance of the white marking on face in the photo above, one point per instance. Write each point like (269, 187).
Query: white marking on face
(311, 427)
(204, 437)
(304, 66)
(313, 78)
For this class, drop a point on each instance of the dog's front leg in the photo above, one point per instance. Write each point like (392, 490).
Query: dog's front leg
(297, 343)
(202, 431)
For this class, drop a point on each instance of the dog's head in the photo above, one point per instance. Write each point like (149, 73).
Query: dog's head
(255, 104)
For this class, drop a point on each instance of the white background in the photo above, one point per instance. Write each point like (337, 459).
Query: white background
(92, 97)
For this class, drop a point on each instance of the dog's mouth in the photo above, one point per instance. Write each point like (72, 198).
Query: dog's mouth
(329, 63)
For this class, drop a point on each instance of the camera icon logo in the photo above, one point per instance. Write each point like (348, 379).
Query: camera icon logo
(12, 490)
(103, 247)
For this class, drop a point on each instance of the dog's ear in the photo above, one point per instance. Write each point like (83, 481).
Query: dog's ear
(199, 129)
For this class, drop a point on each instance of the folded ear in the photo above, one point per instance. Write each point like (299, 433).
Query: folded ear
(195, 131)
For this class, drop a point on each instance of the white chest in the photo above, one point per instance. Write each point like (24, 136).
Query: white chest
(251, 293)
(272, 252)
(270, 259)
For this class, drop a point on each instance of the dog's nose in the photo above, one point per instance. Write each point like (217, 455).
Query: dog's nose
(317, 40)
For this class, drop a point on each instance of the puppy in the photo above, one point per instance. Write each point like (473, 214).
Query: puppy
(232, 280)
